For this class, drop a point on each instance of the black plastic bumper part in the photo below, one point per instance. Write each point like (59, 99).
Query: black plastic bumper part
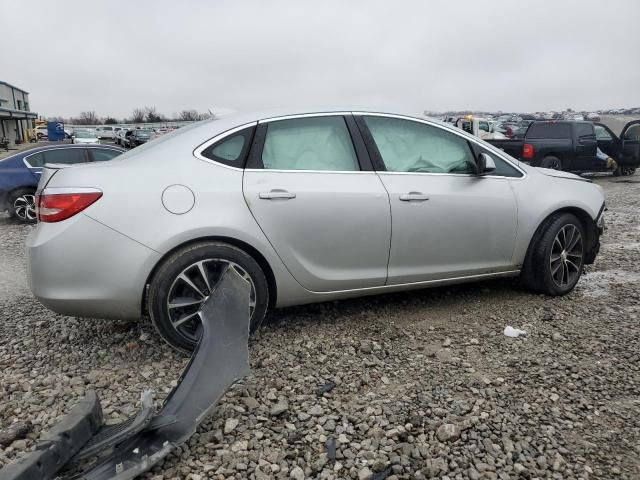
(124, 451)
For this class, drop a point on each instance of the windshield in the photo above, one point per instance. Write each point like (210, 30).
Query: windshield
(143, 133)
(84, 134)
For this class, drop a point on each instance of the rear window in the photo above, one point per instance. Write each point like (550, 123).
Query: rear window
(549, 130)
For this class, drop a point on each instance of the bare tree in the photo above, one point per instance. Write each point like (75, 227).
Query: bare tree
(137, 116)
(189, 115)
(152, 116)
(87, 118)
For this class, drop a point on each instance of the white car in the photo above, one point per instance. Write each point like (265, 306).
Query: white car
(84, 137)
(105, 132)
(42, 132)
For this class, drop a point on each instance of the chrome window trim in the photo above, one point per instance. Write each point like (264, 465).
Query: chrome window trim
(455, 131)
(350, 172)
(73, 147)
(304, 115)
(469, 175)
(197, 152)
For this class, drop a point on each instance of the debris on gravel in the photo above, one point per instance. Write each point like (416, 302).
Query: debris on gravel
(423, 384)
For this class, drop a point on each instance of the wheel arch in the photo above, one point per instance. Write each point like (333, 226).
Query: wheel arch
(588, 224)
(242, 245)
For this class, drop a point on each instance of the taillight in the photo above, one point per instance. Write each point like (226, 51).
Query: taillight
(527, 151)
(56, 204)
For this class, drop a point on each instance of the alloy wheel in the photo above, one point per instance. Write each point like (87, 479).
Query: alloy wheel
(25, 207)
(626, 171)
(193, 287)
(566, 256)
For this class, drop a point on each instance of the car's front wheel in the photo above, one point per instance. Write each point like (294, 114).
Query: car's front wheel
(186, 280)
(624, 171)
(555, 258)
(22, 205)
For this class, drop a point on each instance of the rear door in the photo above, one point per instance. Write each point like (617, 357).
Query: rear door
(630, 145)
(585, 146)
(317, 199)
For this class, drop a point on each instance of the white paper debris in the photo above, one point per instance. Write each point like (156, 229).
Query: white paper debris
(509, 331)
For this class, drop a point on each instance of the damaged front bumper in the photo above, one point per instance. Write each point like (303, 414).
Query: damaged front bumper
(123, 451)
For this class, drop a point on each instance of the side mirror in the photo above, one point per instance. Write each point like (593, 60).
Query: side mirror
(485, 164)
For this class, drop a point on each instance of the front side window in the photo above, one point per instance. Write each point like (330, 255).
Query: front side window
(65, 156)
(314, 143)
(602, 134)
(632, 133)
(503, 168)
(483, 127)
(409, 146)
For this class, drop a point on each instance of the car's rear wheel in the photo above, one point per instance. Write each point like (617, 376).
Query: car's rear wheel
(555, 259)
(186, 279)
(22, 205)
(551, 162)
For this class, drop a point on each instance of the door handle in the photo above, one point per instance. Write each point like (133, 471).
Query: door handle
(414, 197)
(276, 194)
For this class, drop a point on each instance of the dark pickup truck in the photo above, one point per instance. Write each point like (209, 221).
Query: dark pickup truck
(571, 146)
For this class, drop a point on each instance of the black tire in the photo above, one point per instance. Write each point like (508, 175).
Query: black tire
(624, 171)
(164, 283)
(537, 272)
(551, 162)
(21, 205)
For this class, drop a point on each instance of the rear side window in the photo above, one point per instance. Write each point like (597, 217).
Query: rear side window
(231, 150)
(36, 160)
(103, 154)
(584, 130)
(549, 130)
(65, 156)
(316, 143)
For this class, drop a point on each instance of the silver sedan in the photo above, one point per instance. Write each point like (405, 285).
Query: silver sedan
(307, 206)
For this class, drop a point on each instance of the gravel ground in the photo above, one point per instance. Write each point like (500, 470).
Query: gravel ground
(427, 385)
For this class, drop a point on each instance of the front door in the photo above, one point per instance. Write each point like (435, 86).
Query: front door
(608, 144)
(447, 222)
(326, 217)
(630, 145)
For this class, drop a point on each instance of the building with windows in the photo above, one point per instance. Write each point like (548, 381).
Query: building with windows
(15, 114)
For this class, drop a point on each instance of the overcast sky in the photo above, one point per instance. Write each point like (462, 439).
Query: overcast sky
(114, 55)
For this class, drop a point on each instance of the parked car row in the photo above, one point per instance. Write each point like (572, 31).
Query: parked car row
(133, 137)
